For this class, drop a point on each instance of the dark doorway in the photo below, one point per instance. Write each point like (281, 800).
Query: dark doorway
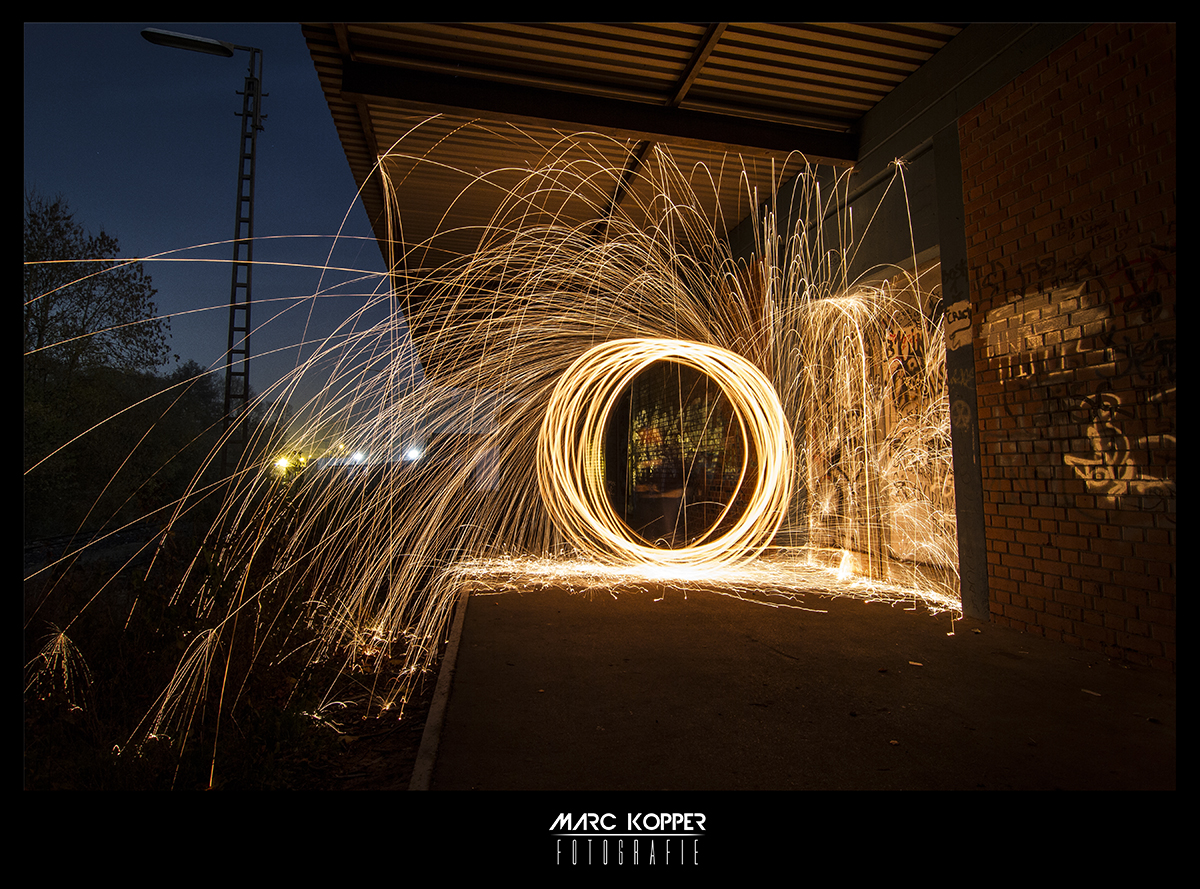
(675, 458)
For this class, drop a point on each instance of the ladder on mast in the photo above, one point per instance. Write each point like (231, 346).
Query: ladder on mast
(237, 357)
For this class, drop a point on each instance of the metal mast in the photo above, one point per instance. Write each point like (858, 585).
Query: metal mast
(237, 357)
(237, 354)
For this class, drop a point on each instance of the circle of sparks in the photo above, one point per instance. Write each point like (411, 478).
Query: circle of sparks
(571, 442)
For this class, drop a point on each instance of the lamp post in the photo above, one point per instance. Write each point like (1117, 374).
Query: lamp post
(237, 355)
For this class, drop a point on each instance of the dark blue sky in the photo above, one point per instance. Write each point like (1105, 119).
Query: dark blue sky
(143, 143)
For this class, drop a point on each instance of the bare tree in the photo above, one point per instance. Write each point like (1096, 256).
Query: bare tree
(84, 306)
(93, 341)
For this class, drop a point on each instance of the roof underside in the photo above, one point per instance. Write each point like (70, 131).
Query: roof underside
(466, 113)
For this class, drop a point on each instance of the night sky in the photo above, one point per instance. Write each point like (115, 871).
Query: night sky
(143, 142)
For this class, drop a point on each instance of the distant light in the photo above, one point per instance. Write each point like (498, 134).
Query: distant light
(413, 453)
(358, 456)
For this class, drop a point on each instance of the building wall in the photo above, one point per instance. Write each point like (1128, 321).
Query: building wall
(1069, 201)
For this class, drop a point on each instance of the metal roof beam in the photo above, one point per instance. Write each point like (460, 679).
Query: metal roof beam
(424, 91)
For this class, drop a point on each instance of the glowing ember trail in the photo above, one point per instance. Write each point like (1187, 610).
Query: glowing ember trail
(571, 476)
(484, 466)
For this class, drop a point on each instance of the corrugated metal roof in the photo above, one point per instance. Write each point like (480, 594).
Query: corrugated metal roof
(465, 111)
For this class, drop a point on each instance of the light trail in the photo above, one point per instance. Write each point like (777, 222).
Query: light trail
(352, 568)
(570, 467)
(781, 578)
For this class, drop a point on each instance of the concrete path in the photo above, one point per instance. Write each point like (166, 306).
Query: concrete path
(557, 691)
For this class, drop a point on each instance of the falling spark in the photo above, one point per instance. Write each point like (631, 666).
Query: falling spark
(482, 470)
(59, 673)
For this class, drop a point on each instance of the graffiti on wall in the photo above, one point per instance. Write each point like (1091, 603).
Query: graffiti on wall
(904, 349)
(1141, 345)
(1113, 467)
(1110, 329)
(1036, 339)
(1112, 268)
(958, 325)
(1023, 337)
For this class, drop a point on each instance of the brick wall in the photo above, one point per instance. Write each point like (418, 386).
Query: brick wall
(1069, 192)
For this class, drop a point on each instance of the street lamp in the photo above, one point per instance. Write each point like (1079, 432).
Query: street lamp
(237, 355)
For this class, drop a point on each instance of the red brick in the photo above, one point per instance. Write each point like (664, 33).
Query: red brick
(1069, 175)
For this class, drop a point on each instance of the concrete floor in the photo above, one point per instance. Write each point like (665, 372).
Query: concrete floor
(558, 691)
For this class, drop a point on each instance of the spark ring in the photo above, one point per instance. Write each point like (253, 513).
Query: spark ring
(571, 442)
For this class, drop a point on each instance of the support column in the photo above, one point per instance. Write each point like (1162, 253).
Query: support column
(960, 376)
